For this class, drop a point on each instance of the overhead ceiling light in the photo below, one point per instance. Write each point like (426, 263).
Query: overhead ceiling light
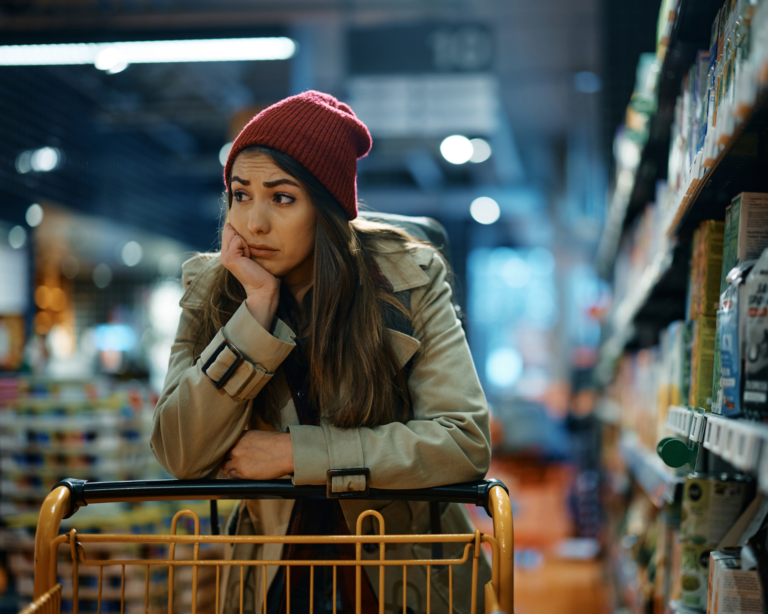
(111, 61)
(17, 237)
(40, 160)
(481, 151)
(224, 153)
(45, 159)
(457, 149)
(34, 215)
(113, 57)
(132, 253)
(102, 275)
(485, 210)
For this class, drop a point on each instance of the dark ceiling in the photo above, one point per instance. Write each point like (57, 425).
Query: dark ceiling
(142, 146)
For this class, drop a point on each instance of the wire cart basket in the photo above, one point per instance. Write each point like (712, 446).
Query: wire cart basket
(69, 495)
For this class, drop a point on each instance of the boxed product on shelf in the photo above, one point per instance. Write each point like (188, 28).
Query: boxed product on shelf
(723, 92)
(755, 400)
(674, 371)
(677, 362)
(706, 267)
(702, 363)
(712, 503)
(693, 567)
(732, 590)
(666, 22)
(746, 231)
(731, 338)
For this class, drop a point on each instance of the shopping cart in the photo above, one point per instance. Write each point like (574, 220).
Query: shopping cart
(69, 495)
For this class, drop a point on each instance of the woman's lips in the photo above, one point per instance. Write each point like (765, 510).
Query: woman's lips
(261, 251)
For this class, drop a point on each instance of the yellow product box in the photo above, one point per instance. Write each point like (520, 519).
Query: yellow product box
(702, 363)
(711, 263)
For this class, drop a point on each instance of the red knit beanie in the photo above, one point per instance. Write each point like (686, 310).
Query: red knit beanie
(319, 132)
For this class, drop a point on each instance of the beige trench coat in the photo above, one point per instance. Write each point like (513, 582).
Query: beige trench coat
(447, 441)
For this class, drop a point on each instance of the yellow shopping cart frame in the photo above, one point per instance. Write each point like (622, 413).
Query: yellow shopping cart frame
(69, 495)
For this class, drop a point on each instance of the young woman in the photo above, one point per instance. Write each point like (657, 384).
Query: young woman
(317, 341)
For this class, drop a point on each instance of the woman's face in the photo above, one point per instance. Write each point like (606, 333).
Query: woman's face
(272, 211)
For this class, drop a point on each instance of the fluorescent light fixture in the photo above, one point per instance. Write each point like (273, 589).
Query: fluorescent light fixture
(113, 57)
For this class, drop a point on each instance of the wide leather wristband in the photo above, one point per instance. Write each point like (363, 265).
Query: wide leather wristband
(238, 360)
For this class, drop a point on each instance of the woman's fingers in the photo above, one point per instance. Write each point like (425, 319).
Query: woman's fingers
(233, 246)
(226, 237)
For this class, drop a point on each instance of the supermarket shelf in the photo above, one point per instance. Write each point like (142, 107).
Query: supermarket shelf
(656, 300)
(104, 446)
(738, 167)
(742, 443)
(690, 32)
(650, 472)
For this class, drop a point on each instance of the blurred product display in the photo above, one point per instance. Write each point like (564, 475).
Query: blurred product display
(96, 430)
(681, 363)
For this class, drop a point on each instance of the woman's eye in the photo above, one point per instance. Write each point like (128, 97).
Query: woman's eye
(284, 199)
(240, 196)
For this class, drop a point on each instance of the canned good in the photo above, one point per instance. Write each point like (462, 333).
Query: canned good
(695, 574)
(711, 505)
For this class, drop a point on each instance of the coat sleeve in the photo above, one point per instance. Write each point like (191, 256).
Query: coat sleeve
(448, 439)
(194, 423)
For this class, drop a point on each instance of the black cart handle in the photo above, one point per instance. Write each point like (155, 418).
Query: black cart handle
(83, 492)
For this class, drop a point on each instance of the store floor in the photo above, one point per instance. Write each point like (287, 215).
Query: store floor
(544, 580)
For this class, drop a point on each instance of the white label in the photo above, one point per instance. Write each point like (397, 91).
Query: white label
(755, 397)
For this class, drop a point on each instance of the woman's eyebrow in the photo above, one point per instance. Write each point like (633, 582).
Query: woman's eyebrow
(242, 181)
(272, 184)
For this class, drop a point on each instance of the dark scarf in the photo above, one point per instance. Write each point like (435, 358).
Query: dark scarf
(324, 517)
(316, 517)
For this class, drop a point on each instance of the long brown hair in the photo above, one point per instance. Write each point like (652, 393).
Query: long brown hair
(354, 376)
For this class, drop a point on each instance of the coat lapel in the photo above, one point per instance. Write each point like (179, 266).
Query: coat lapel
(403, 345)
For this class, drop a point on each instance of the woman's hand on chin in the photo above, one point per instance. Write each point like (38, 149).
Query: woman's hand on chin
(262, 289)
(260, 455)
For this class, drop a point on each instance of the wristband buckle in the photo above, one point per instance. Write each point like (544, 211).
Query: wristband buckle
(239, 359)
(351, 494)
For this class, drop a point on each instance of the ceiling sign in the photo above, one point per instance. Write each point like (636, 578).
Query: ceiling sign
(426, 105)
(423, 80)
(420, 48)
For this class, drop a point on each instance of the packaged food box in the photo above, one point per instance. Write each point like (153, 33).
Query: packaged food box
(712, 503)
(730, 343)
(755, 400)
(746, 231)
(706, 269)
(732, 590)
(702, 363)
(695, 574)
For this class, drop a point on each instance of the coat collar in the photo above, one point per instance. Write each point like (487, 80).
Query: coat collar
(404, 269)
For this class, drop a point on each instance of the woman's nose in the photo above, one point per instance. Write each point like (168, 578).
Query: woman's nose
(258, 219)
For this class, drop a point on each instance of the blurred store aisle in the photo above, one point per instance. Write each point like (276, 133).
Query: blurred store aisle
(545, 580)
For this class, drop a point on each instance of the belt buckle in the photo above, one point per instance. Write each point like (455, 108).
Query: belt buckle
(239, 359)
(351, 494)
